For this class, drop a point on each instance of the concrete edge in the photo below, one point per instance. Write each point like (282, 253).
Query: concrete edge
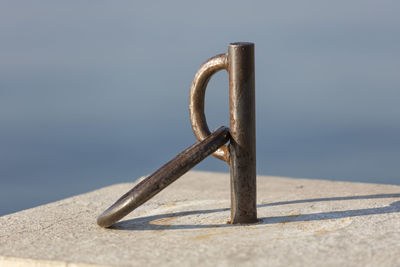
(6, 261)
(291, 178)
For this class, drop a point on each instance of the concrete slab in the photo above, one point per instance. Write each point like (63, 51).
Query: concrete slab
(302, 223)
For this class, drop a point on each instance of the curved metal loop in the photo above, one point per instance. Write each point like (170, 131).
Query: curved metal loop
(197, 97)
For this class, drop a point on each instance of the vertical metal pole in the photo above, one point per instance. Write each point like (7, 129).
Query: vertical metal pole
(242, 148)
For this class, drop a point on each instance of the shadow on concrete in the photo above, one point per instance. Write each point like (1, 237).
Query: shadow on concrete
(145, 223)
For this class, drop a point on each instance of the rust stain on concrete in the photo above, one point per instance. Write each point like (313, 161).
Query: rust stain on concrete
(208, 236)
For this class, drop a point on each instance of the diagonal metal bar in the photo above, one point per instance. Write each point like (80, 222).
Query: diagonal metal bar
(163, 177)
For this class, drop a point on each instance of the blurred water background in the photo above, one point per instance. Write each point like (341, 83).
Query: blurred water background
(94, 93)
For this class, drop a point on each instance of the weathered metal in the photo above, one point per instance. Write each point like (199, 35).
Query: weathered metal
(163, 177)
(241, 152)
(197, 96)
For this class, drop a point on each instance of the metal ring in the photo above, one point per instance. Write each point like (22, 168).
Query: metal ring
(196, 100)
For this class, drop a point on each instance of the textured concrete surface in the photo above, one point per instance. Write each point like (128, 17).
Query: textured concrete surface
(302, 223)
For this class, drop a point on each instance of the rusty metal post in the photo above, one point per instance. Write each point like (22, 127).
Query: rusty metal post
(242, 147)
(241, 153)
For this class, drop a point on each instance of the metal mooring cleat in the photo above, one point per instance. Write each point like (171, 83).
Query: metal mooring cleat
(240, 154)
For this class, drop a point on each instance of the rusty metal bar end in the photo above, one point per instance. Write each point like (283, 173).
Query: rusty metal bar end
(163, 177)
